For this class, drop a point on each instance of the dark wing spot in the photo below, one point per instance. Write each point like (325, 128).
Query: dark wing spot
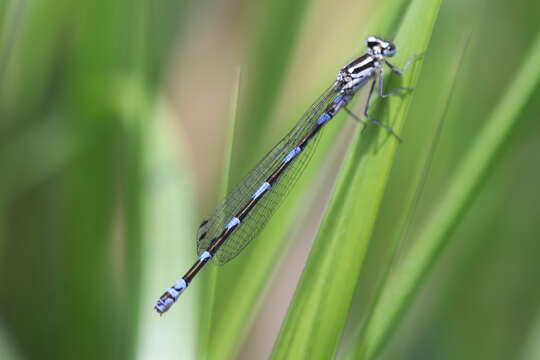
(203, 223)
(203, 235)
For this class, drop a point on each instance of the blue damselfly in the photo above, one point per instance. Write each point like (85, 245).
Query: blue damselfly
(250, 204)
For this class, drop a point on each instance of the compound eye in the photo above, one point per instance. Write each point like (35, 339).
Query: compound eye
(390, 50)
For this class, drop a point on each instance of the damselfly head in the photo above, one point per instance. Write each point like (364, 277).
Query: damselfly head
(377, 46)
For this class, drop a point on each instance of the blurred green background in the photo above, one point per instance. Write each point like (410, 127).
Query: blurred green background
(114, 120)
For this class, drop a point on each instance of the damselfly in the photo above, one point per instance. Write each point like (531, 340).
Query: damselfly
(248, 207)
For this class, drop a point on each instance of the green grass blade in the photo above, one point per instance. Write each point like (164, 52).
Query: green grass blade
(319, 310)
(168, 219)
(461, 192)
(270, 58)
(212, 276)
(411, 199)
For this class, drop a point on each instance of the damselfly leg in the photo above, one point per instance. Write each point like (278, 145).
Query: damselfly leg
(380, 91)
(408, 63)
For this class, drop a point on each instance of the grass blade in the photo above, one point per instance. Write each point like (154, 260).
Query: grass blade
(460, 194)
(318, 313)
(167, 216)
(212, 276)
(412, 199)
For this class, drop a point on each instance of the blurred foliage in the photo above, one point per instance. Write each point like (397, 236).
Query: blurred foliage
(113, 120)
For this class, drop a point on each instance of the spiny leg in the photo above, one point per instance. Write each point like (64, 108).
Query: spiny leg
(356, 117)
(380, 87)
(395, 70)
(366, 113)
(407, 64)
(353, 115)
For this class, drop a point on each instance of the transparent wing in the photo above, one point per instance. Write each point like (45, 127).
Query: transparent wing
(267, 204)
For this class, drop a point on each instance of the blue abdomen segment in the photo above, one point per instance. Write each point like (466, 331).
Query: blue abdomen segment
(261, 190)
(292, 154)
(323, 118)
